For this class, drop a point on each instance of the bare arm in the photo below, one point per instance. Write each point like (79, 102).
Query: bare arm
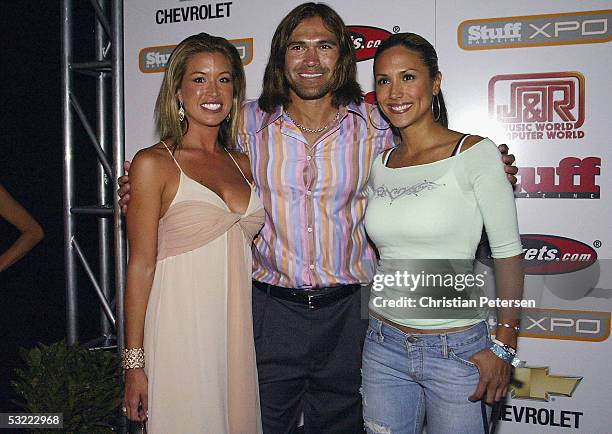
(31, 232)
(142, 222)
(495, 374)
(496, 203)
(509, 280)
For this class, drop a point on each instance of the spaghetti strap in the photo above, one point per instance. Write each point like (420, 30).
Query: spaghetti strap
(387, 155)
(238, 166)
(459, 145)
(169, 152)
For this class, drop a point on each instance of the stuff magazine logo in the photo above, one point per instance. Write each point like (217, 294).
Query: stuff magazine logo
(567, 325)
(588, 27)
(154, 59)
(573, 178)
(538, 106)
(366, 40)
(551, 254)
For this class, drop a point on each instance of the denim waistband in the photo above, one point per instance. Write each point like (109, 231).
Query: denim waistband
(463, 337)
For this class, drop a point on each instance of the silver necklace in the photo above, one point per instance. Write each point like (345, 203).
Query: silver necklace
(314, 130)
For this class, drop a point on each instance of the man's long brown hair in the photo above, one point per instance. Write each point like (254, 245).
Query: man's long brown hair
(345, 88)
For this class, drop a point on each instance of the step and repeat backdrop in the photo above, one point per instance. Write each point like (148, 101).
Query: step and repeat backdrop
(532, 74)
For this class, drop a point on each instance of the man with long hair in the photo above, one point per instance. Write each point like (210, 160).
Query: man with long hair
(311, 144)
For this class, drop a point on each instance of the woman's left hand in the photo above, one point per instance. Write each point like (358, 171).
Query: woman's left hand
(494, 377)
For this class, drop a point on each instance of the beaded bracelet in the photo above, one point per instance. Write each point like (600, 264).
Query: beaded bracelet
(133, 358)
(509, 326)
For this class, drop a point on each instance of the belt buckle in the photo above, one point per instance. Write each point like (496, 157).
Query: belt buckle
(311, 297)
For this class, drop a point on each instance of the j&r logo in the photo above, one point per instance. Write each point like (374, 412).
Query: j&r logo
(539, 106)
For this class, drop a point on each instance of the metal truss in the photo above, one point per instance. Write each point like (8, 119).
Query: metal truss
(107, 138)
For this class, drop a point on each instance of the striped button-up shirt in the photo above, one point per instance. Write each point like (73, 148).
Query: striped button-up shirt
(314, 196)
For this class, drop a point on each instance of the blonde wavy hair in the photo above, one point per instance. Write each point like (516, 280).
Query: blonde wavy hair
(167, 106)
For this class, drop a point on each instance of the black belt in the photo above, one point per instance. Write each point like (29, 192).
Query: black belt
(310, 298)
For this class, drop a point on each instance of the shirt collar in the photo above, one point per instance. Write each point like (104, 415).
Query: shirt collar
(268, 118)
(358, 109)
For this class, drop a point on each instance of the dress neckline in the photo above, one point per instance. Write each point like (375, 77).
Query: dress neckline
(227, 207)
(216, 195)
(432, 163)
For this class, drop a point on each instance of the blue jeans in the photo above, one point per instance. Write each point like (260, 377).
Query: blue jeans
(407, 377)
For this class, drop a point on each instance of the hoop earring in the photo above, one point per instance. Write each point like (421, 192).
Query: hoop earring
(436, 118)
(181, 111)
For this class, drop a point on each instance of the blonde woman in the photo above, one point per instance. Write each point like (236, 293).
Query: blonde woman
(190, 358)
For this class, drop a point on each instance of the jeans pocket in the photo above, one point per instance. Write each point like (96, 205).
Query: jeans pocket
(371, 334)
(462, 351)
(463, 360)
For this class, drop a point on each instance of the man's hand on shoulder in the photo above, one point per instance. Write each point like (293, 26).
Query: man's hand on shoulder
(509, 167)
(124, 188)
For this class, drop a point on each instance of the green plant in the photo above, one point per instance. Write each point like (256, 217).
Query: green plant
(84, 385)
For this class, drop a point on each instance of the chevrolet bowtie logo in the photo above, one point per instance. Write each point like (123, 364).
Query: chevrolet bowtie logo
(538, 384)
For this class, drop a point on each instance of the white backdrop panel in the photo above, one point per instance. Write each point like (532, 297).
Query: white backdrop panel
(468, 73)
(473, 80)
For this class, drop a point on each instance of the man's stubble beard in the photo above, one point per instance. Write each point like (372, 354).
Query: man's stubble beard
(311, 94)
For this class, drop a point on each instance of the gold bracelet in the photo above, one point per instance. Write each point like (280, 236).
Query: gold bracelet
(133, 358)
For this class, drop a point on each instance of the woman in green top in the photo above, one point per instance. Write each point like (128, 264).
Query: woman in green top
(428, 201)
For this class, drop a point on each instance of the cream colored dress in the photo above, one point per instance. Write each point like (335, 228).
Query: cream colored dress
(198, 336)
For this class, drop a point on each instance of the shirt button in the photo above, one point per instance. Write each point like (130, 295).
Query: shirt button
(308, 158)
(309, 193)
(309, 229)
(311, 266)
